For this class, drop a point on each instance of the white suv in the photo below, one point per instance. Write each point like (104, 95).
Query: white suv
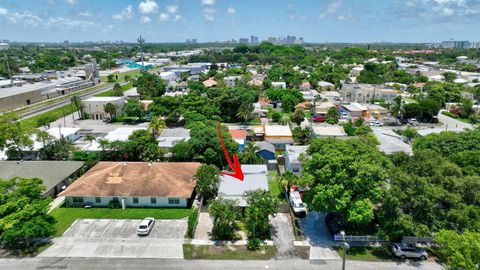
(403, 251)
(146, 226)
(298, 206)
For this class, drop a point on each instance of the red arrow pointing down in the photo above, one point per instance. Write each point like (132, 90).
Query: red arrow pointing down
(235, 166)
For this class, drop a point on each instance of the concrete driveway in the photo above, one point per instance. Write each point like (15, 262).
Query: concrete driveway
(316, 233)
(283, 236)
(113, 238)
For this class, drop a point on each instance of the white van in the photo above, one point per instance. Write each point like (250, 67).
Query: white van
(298, 206)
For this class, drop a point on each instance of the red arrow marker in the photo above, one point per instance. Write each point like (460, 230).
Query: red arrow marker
(236, 167)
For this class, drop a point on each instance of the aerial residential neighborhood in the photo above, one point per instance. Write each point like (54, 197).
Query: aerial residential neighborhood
(204, 134)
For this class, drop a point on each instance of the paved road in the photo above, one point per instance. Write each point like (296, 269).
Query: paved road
(147, 264)
(448, 123)
(63, 102)
(118, 239)
(282, 234)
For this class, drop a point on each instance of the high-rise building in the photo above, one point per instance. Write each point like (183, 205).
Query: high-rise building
(290, 39)
(454, 44)
(253, 39)
(243, 40)
(272, 40)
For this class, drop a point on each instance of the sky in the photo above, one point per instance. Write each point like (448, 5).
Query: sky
(220, 20)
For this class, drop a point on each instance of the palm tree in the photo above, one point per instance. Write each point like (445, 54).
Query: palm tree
(111, 109)
(245, 111)
(157, 124)
(76, 100)
(89, 138)
(250, 154)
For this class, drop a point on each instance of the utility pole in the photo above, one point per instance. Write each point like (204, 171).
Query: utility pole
(140, 41)
(9, 71)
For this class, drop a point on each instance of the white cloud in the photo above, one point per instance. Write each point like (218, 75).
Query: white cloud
(71, 2)
(208, 2)
(231, 10)
(3, 11)
(208, 13)
(145, 19)
(85, 14)
(126, 14)
(164, 16)
(148, 7)
(173, 9)
(177, 17)
(331, 8)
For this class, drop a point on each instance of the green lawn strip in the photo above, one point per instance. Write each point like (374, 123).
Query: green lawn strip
(57, 114)
(109, 93)
(66, 216)
(275, 188)
(371, 254)
(227, 252)
(454, 116)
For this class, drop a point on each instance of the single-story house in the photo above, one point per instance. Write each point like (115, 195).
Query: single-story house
(56, 175)
(323, 107)
(210, 83)
(324, 86)
(171, 136)
(278, 135)
(331, 96)
(325, 130)
(131, 93)
(355, 110)
(135, 184)
(118, 134)
(94, 106)
(292, 156)
(390, 142)
(231, 80)
(239, 136)
(305, 86)
(255, 82)
(375, 111)
(256, 177)
(281, 85)
(266, 150)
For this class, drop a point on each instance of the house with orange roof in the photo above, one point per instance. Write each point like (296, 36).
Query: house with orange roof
(210, 83)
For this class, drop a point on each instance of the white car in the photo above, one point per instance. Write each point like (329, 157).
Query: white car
(298, 206)
(146, 226)
(376, 123)
(412, 121)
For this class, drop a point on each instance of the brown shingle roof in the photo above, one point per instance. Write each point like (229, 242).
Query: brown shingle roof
(140, 179)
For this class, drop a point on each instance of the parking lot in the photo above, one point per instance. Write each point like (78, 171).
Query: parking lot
(115, 238)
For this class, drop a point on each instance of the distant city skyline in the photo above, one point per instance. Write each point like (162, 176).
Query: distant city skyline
(317, 21)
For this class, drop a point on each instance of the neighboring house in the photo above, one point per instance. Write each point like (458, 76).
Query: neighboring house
(131, 93)
(390, 142)
(310, 95)
(326, 86)
(364, 93)
(256, 178)
(168, 76)
(255, 82)
(56, 175)
(94, 106)
(323, 107)
(171, 136)
(267, 150)
(119, 134)
(231, 80)
(278, 135)
(325, 130)
(239, 136)
(355, 110)
(305, 86)
(281, 85)
(292, 156)
(210, 83)
(376, 111)
(135, 184)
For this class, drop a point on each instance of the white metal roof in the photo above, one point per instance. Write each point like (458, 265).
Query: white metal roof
(277, 130)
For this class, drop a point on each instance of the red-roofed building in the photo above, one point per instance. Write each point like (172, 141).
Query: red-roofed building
(239, 136)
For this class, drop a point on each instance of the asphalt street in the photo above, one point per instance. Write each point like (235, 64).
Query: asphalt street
(146, 264)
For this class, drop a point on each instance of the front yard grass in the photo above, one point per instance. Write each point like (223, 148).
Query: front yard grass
(275, 188)
(227, 252)
(66, 216)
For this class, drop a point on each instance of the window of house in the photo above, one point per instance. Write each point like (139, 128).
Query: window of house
(135, 199)
(153, 200)
(98, 200)
(77, 199)
(173, 201)
(115, 199)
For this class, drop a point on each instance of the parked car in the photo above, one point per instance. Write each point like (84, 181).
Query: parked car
(404, 250)
(299, 208)
(335, 222)
(375, 123)
(319, 118)
(145, 226)
(412, 121)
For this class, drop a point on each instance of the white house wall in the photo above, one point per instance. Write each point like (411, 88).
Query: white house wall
(142, 201)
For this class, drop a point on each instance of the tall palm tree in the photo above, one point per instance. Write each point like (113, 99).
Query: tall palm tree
(157, 124)
(245, 111)
(250, 154)
(77, 101)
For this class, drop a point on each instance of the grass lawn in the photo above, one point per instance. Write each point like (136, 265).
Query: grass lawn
(372, 254)
(66, 216)
(32, 251)
(227, 252)
(109, 93)
(56, 114)
(275, 188)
